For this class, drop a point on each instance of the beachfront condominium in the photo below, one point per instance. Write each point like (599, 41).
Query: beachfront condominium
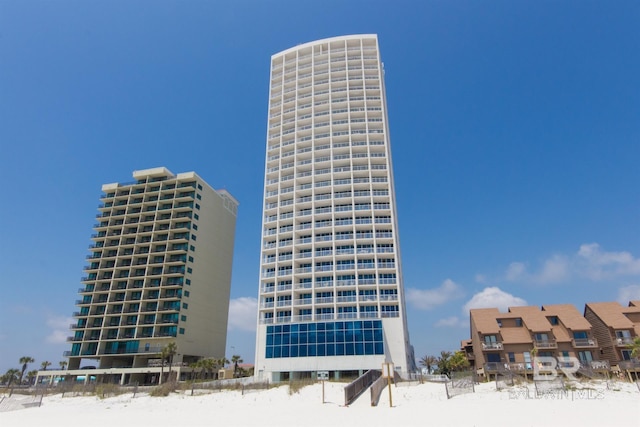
(508, 341)
(616, 327)
(159, 271)
(330, 295)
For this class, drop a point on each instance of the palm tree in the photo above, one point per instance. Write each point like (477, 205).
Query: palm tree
(428, 362)
(443, 362)
(31, 375)
(10, 376)
(208, 366)
(63, 364)
(195, 367)
(25, 360)
(44, 365)
(235, 359)
(167, 353)
(458, 361)
(635, 347)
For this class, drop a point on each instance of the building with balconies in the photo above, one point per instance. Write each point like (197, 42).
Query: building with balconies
(331, 294)
(158, 271)
(615, 327)
(509, 341)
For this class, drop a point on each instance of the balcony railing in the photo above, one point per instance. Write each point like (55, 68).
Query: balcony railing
(545, 343)
(348, 315)
(624, 341)
(390, 314)
(585, 342)
(488, 346)
(630, 365)
(598, 364)
(503, 367)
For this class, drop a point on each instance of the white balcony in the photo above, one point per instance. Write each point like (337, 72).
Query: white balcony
(490, 346)
(584, 342)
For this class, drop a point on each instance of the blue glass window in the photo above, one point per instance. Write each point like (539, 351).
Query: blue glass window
(325, 339)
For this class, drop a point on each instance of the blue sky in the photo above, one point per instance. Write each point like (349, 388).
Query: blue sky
(515, 132)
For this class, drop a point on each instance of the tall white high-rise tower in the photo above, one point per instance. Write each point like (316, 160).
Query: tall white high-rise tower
(331, 295)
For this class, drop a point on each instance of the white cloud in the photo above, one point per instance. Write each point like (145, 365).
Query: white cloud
(59, 326)
(596, 264)
(242, 314)
(554, 270)
(493, 297)
(515, 271)
(589, 262)
(480, 278)
(628, 293)
(452, 322)
(426, 299)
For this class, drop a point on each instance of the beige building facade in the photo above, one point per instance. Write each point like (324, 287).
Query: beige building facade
(158, 271)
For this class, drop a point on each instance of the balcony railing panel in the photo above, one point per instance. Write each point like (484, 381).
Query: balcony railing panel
(629, 365)
(598, 364)
(545, 343)
(624, 341)
(585, 342)
(492, 346)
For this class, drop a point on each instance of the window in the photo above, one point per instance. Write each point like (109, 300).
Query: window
(324, 339)
(527, 359)
(183, 318)
(195, 227)
(553, 320)
(186, 293)
(585, 356)
(185, 305)
(345, 264)
(189, 270)
(192, 248)
(541, 337)
(193, 237)
(198, 196)
(512, 357)
(490, 339)
(519, 322)
(190, 259)
(181, 331)
(188, 281)
(623, 336)
(197, 206)
(493, 358)
(196, 216)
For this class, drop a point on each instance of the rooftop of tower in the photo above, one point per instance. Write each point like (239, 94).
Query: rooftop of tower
(327, 40)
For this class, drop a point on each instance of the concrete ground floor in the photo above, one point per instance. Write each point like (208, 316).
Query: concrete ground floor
(122, 376)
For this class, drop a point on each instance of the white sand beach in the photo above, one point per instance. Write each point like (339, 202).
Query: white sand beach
(590, 404)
